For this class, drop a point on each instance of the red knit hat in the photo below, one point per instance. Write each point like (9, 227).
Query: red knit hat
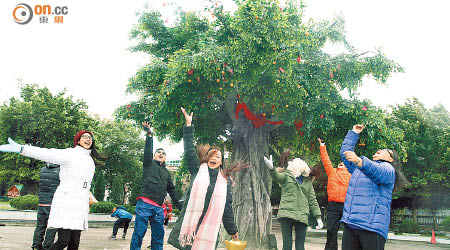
(77, 137)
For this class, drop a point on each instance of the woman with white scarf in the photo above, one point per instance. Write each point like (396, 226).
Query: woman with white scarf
(209, 197)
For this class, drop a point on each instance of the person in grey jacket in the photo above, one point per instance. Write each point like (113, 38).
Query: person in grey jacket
(49, 181)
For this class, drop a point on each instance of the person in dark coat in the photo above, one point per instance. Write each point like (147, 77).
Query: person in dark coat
(156, 183)
(49, 181)
(123, 220)
(209, 199)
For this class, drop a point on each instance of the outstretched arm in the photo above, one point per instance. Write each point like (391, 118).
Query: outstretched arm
(56, 156)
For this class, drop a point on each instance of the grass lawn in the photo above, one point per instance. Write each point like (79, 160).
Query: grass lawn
(5, 205)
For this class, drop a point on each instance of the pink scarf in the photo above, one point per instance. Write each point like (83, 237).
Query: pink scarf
(206, 237)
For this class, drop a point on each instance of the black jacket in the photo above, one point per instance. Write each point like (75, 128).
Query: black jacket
(49, 181)
(156, 179)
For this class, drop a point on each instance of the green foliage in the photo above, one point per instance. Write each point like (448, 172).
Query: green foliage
(26, 202)
(123, 144)
(41, 119)
(130, 209)
(180, 176)
(103, 207)
(446, 223)
(99, 185)
(427, 147)
(176, 211)
(136, 189)
(116, 194)
(235, 54)
(408, 226)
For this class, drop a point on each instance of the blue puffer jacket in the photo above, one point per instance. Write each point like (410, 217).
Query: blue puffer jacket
(369, 194)
(121, 213)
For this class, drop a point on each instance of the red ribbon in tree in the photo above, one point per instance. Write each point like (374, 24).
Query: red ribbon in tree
(257, 120)
(298, 125)
(191, 71)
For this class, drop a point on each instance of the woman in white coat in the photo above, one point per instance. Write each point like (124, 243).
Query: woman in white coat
(70, 205)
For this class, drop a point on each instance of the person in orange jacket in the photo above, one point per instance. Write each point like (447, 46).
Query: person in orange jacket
(338, 179)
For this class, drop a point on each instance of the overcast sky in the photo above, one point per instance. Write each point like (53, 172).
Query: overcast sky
(87, 54)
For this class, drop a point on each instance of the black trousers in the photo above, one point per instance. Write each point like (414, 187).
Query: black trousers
(355, 239)
(286, 232)
(67, 238)
(41, 233)
(334, 215)
(119, 223)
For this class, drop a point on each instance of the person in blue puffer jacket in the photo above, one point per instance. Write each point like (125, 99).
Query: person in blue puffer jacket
(123, 219)
(367, 204)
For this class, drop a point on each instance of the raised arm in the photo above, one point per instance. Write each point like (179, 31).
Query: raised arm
(349, 145)
(325, 158)
(148, 148)
(190, 153)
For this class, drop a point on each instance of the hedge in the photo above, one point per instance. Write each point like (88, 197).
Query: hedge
(26, 202)
(103, 207)
(107, 207)
(408, 226)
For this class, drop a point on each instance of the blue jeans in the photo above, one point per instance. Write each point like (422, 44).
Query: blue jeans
(144, 212)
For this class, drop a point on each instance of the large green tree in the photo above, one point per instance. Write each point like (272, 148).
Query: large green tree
(41, 119)
(272, 60)
(427, 145)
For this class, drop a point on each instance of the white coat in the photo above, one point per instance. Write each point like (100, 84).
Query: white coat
(70, 205)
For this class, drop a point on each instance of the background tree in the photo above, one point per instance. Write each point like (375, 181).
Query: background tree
(116, 194)
(123, 143)
(41, 119)
(427, 145)
(272, 60)
(99, 185)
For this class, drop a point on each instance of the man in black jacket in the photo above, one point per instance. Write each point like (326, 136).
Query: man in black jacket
(156, 183)
(49, 181)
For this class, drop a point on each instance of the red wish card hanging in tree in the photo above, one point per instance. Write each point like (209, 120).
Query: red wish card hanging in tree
(257, 120)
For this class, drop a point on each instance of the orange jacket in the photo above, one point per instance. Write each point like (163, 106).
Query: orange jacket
(338, 178)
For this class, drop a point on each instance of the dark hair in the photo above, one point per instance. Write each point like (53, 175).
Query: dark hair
(204, 152)
(97, 156)
(400, 180)
(285, 157)
(316, 171)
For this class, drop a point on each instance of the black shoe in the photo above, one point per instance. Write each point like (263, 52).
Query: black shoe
(112, 237)
(124, 236)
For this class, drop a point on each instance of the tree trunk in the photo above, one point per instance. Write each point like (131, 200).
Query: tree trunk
(414, 209)
(251, 197)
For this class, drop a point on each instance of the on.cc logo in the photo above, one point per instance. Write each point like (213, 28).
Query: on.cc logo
(22, 13)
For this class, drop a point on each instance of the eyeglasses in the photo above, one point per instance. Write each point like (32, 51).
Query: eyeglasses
(86, 136)
(161, 152)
